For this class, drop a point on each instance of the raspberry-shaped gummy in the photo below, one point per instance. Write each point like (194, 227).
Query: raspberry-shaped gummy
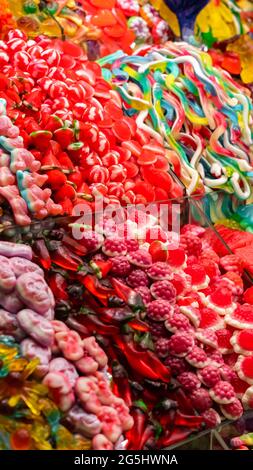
(159, 310)
(178, 322)
(160, 271)
(120, 266)
(209, 255)
(164, 290)
(233, 410)
(145, 294)
(197, 358)
(180, 344)
(92, 240)
(201, 400)
(191, 244)
(227, 373)
(114, 247)
(161, 347)
(209, 376)
(157, 330)
(141, 258)
(195, 230)
(211, 418)
(223, 393)
(215, 358)
(231, 263)
(176, 364)
(207, 337)
(132, 245)
(189, 381)
(137, 278)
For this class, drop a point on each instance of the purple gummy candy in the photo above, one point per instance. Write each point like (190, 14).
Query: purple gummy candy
(37, 327)
(9, 325)
(84, 423)
(10, 249)
(22, 266)
(11, 302)
(7, 276)
(34, 292)
(33, 350)
(59, 364)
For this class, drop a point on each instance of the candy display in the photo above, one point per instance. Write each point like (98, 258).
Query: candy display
(179, 321)
(169, 89)
(73, 368)
(126, 260)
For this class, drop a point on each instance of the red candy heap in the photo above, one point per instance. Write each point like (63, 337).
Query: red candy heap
(73, 123)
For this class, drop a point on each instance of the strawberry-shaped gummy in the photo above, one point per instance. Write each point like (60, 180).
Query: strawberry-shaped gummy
(242, 342)
(177, 365)
(211, 418)
(232, 410)
(159, 310)
(176, 258)
(241, 318)
(189, 381)
(244, 368)
(201, 400)
(120, 266)
(224, 336)
(164, 290)
(222, 393)
(192, 313)
(160, 271)
(140, 258)
(180, 344)
(191, 244)
(207, 337)
(114, 247)
(145, 294)
(137, 278)
(162, 347)
(177, 322)
(209, 376)
(197, 357)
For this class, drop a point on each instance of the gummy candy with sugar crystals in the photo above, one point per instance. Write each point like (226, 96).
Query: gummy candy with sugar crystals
(198, 112)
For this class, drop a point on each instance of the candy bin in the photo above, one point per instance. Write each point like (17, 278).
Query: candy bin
(168, 311)
(54, 385)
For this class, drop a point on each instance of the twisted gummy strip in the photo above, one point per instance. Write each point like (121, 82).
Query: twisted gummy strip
(177, 94)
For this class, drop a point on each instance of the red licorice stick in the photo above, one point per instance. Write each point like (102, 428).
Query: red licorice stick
(148, 434)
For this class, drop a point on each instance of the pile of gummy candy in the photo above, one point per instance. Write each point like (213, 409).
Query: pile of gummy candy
(121, 334)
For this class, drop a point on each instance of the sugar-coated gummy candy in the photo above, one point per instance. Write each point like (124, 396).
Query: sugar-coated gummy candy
(36, 326)
(34, 292)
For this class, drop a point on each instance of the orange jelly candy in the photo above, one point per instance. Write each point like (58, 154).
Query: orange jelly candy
(104, 18)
